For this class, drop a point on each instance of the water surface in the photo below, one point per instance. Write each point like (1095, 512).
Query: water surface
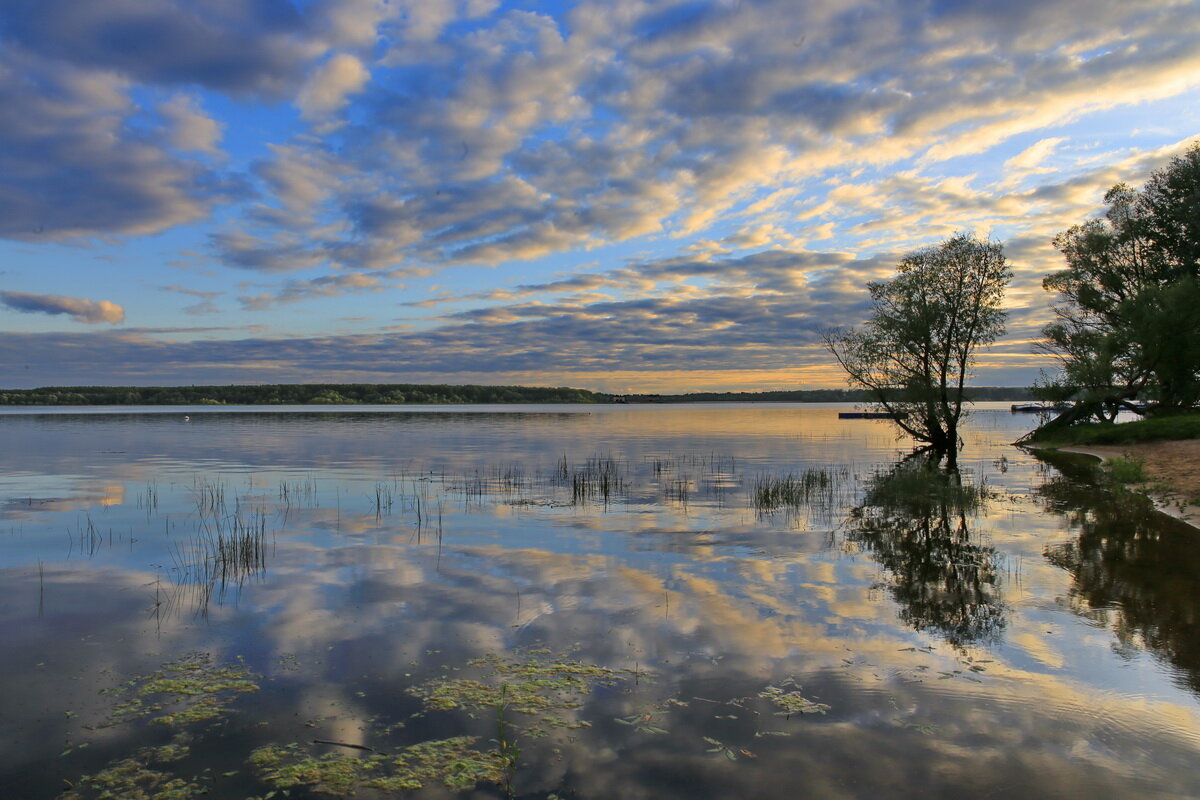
(1032, 634)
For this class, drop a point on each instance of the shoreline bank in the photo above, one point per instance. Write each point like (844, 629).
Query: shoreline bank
(1172, 469)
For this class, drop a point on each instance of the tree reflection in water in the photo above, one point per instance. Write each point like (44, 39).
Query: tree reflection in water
(1134, 569)
(914, 521)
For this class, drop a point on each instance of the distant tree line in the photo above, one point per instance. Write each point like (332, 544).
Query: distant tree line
(295, 394)
(976, 393)
(415, 394)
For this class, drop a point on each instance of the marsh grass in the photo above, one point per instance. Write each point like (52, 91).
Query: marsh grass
(90, 538)
(298, 492)
(600, 478)
(209, 498)
(222, 553)
(819, 491)
(1125, 469)
(385, 497)
(148, 498)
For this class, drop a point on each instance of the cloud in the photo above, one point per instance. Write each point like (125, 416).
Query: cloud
(296, 291)
(189, 128)
(330, 86)
(237, 46)
(204, 304)
(77, 160)
(79, 309)
(438, 133)
(86, 150)
(525, 134)
(1035, 154)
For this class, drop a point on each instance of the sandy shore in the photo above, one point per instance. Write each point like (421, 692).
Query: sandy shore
(1172, 469)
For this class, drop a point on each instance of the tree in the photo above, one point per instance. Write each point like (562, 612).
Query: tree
(917, 349)
(1128, 324)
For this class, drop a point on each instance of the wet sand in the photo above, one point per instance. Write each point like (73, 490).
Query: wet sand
(1172, 471)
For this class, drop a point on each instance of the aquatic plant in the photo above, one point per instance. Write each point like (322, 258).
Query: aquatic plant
(812, 486)
(181, 693)
(791, 702)
(133, 779)
(600, 478)
(190, 689)
(540, 687)
(454, 763)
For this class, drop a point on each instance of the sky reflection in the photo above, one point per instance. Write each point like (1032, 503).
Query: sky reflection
(1032, 643)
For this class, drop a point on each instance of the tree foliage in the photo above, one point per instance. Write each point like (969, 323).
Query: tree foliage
(917, 349)
(1128, 323)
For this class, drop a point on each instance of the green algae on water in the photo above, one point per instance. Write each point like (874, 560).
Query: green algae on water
(183, 692)
(188, 690)
(544, 688)
(454, 763)
(135, 778)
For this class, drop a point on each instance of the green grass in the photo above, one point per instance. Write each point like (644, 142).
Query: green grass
(1126, 470)
(1184, 426)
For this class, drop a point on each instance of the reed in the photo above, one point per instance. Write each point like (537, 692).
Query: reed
(815, 486)
(601, 478)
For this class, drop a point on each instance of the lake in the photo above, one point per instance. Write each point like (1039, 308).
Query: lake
(676, 601)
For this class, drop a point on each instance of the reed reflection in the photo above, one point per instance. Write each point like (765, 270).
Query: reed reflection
(915, 521)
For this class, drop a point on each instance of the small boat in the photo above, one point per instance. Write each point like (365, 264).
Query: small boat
(1034, 408)
(870, 415)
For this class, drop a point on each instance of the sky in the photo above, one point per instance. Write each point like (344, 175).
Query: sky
(621, 195)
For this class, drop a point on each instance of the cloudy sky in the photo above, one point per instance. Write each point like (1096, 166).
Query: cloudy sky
(612, 194)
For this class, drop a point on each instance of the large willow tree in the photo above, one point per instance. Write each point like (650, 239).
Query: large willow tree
(917, 349)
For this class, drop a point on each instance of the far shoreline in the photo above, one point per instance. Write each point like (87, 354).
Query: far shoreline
(409, 394)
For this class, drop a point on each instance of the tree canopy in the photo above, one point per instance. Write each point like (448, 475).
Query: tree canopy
(917, 349)
(1127, 324)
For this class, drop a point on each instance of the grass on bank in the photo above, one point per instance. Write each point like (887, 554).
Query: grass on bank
(1184, 426)
(1125, 470)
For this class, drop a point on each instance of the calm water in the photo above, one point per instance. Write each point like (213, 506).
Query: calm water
(1030, 635)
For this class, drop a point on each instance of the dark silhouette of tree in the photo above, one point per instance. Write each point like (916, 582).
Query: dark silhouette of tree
(1128, 324)
(915, 522)
(917, 349)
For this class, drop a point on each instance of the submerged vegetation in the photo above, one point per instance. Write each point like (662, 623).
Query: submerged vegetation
(454, 763)
(512, 699)
(190, 689)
